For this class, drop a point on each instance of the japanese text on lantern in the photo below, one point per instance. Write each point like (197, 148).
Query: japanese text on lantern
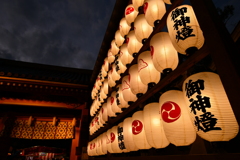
(180, 23)
(120, 138)
(205, 121)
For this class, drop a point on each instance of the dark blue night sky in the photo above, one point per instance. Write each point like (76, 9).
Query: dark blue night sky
(65, 33)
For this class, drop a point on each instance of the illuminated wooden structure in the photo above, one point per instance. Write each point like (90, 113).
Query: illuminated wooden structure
(218, 54)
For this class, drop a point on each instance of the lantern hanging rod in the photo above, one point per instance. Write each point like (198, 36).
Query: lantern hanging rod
(193, 59)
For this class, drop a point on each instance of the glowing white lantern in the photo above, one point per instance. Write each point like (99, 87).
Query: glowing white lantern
(111, 57)
(109, 107)
(92, 148)
(137, 3)
(125, 57)
(128, 136)
(110, 138)
(119, 39)
(126, 91)
(103, 72)
(114, 105)
(99, 145)
(153, 126)
(164, 55)
(104, 142)
(121, 138)
(104, 89)
(142, 29)
(114, 48)
(104, 113)
(154, 10)
(209, 107)
(121, 103)
(115, 75)
(130, 14)
(120, 68)
(105, 64)
(138, 131)
(124, 27)
(111, 82)
(136, 85)
(133, 45)
(184, 30)
(115, 146)
(176, 120)
(146, 70)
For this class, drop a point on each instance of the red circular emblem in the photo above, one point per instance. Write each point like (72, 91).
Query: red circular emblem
(137, 127)
(170, 111)
(145, 6)
(129, 10)
(152, 51)
(112, 135)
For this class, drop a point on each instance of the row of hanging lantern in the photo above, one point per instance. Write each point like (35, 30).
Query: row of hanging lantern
(201, 108)
(162, 57)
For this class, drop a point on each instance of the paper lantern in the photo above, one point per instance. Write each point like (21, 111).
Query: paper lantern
(209, 107)
(128, 136)
(110, 138)
(99, 146)
(125, 57)
(137, 3)
(121, 138)
(146, 70)
(109, 107)
(154, 10)
(104, 113)
(111, 82)
(104, 89)
(114, 140)
(142, 29)
(184, 30)
(124, 28)
(120, 68)
(133, 45)
(121, 103)
(164, 55)
(119, 39)
(110, 57)
(91, 149)
(136, 85)
(130, 14)
(114, 105)
(153, 126)
(114, 48)
(103, 72)
(105, 64)
(176, 120)
(128, 96)
(138, 131)
(104, 142)
(115, 75)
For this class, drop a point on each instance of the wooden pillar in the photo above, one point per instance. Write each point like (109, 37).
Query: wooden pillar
(81, 137)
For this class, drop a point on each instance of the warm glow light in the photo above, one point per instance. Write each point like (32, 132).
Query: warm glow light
(124, 56)
(114, 140)
(146, 70)
(115, 75)
(114, 48)
(126, 91)
(111, 82)
(184, 30)
(119, 39)
(133, 45)
(177, 125)
(114, 105)
(124, 27)
(164, 55)
(111, 57)
(154, 10)
(136, 85)
(209, 107)
(153, 126)
(121, 138)
(121, 103)
(167, 1)
(110, 138)
(142, 29)
(109, 107)
(128, 136)
(130, 14)
(138, 131)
